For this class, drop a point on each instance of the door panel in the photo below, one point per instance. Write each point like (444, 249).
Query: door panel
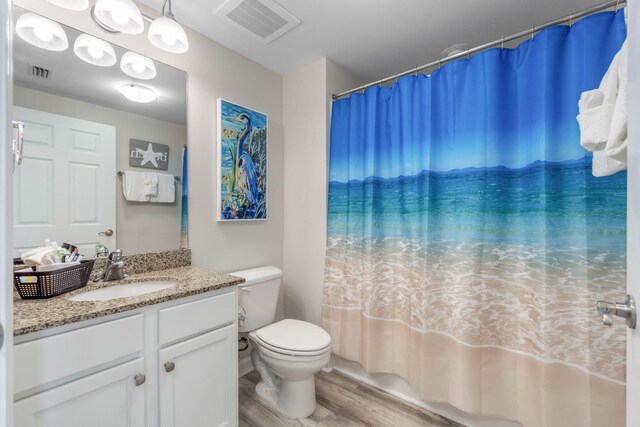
(6, 186)
(201, 389)
(633, 211)
(106, 399)
(65, 188)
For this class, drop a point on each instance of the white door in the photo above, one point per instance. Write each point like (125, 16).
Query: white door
(65, 189)
(109, 398)
(633, 212)
(198, 386)
(6, 160)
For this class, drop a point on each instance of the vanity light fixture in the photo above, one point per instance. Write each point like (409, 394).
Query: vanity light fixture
(138, 93)
(118, 16)
(41, 32)
(165, 33)
(94, 51)
(137, 66)
(71, 4)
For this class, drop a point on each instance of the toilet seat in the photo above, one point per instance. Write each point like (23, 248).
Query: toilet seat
(293, 338)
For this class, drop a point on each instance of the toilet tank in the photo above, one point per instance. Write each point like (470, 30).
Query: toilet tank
(258, 296)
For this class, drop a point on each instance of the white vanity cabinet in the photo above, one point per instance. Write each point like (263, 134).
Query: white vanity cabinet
(106, 399)
(194, 392)
(171, 364)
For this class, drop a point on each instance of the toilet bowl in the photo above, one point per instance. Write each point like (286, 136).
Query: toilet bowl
(294, 354)
(287, 354)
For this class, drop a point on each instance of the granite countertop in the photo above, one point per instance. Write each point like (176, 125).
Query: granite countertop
(34, 315)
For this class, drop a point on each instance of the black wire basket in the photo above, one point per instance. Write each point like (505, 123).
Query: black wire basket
(47, 284)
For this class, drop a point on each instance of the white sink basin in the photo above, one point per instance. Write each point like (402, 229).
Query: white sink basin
(123, 291)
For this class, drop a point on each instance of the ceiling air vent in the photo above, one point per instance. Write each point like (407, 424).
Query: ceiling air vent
(264, 19)
(40, 72)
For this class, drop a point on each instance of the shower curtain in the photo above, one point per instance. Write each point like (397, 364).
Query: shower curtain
(468, 240)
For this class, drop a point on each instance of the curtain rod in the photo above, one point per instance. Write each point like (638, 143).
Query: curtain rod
(569, 18)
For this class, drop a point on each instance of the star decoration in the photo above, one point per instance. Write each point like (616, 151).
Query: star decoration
(149, 155)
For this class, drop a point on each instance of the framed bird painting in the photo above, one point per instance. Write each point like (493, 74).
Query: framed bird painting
(242, 163)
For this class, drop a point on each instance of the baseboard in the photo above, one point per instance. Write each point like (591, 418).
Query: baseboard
(244, 366)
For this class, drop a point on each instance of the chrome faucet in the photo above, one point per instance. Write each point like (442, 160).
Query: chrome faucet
(114, 269)
(101, 251)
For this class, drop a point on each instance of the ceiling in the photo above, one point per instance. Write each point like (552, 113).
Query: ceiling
(373, 38)
(74, 78)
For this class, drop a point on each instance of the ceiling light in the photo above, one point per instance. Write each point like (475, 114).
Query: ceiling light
(71, 4)
(137, 66)
(138, 93)
(94, 51)
(41, 32)
(454, 50)
(118, 16)
(165, 33)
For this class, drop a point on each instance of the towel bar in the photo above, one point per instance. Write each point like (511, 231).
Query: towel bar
(177, 178)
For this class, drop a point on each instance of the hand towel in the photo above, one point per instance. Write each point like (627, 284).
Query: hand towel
(150, 184)
(166, 189)
(133, 186)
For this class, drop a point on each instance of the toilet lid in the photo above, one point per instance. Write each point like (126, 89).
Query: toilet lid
(294, 335)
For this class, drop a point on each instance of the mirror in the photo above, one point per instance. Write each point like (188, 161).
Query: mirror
(83, 123)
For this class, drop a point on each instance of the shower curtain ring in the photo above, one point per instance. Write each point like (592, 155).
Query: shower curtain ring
(468, 55)
(616, 6)
(532, 32)
(416, 71)
(502, 42)
(570, 19)
(439, 63)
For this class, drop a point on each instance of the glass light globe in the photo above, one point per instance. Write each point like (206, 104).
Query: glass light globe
(119, 15)
(41, 32)
(137, 66)
(71, 4)
(94, 50)
(166, 34)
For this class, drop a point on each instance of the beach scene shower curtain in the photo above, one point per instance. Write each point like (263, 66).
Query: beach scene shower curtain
(468, 240)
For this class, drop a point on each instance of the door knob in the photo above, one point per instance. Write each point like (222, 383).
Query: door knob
(108, 233)
(169, 366)
(139, 379)
(626, 310)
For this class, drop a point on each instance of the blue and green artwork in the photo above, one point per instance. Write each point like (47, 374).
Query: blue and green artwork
(242, 163)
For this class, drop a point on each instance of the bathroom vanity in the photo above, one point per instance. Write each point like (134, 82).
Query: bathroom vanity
(166, 358)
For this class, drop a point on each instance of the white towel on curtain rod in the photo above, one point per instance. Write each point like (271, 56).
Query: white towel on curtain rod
(603, 119)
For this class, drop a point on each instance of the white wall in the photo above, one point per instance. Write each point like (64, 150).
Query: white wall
(213, 71)
(141, 227)
(306, 93)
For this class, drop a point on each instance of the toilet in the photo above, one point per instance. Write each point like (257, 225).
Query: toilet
(287, 354)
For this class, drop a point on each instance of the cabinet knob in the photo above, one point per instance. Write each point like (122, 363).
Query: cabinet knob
(169, 366)
(139, 379)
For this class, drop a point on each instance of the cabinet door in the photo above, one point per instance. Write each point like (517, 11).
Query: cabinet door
(199, 381)
(108, 398)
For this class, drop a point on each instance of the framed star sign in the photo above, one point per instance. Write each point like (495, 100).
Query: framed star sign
(144, 154)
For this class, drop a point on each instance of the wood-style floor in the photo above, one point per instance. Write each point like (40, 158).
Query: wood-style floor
(342, 401)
